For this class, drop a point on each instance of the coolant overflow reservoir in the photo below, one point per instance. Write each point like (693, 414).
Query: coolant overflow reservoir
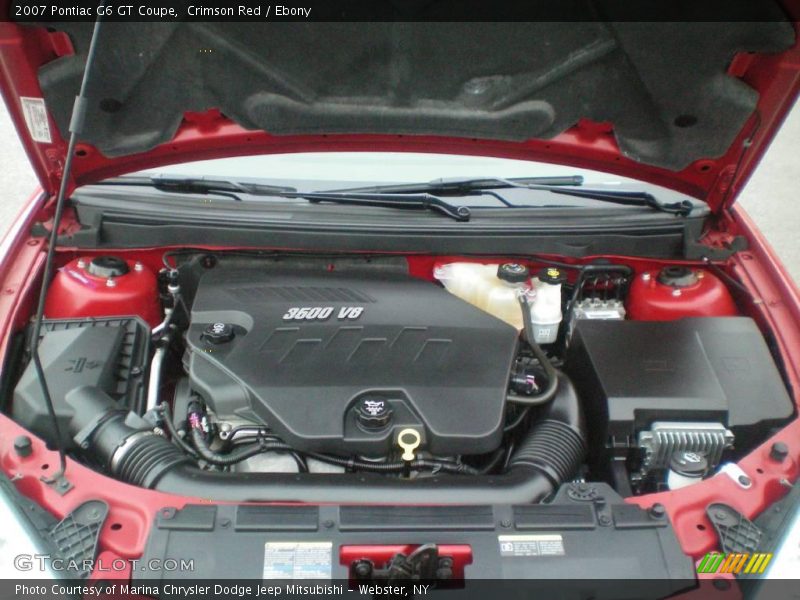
(546, 306)
(503, 299)
(493, 288)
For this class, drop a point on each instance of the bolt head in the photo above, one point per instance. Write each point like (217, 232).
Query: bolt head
(779, 451)
(444, 573)
(23, 446)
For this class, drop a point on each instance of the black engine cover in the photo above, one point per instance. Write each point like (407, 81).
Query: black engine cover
(311, 348)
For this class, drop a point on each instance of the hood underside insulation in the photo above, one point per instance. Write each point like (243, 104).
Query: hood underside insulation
(663, 87)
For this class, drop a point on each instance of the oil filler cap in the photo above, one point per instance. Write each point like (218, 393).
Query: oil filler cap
(373, 413)
(218, 333)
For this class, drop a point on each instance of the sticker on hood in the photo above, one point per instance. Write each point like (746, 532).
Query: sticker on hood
(36, 119)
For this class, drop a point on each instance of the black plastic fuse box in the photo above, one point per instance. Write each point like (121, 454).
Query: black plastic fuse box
(714, 369)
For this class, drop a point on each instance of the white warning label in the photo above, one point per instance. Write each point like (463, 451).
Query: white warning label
(36, 118)
(297, 560)
(531, 545)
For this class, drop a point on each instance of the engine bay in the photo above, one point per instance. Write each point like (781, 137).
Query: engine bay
(356, 379)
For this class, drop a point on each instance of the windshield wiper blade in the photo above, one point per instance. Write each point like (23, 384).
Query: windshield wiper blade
(461, 185)
(234, 189)
(556, 185)
(201, 185)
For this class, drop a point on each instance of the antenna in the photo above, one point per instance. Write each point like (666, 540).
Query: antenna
(76, 124)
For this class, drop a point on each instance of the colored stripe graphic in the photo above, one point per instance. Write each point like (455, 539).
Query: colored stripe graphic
(701, 568)
(734, 562)
(727, 566)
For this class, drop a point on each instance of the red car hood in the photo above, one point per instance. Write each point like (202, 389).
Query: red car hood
(690, 105)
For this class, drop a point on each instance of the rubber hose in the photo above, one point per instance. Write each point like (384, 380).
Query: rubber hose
(236, 456)
(550, 372)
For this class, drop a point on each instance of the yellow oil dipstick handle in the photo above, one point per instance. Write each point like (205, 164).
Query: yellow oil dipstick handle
(409, 440)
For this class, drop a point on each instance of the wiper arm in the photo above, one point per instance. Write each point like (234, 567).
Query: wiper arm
(556, 185)
(462, 185)
(682, 208)
(423, 201)
(233, 189)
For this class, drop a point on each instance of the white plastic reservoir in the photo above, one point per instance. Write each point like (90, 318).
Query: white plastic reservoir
(496, 288)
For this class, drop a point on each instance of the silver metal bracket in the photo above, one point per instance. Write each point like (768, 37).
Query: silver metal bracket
(58, 482)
